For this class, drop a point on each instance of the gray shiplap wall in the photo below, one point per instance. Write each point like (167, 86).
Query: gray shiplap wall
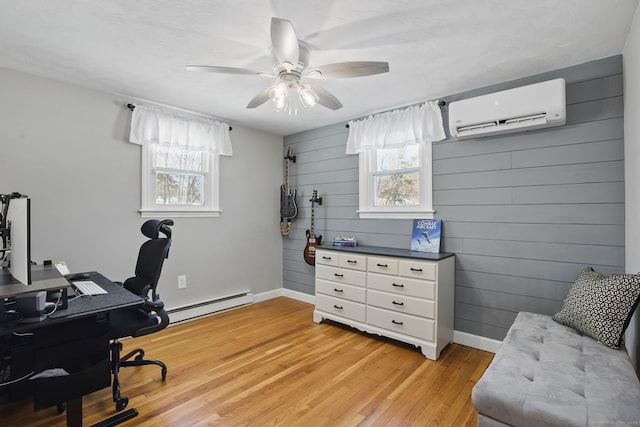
(524, 213)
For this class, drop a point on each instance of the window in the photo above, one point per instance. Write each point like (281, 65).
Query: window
(396, 182)
(180, 161)
(179, 181)
(395, 161)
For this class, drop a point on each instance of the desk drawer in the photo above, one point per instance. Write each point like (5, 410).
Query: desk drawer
(349, 309)
(343, 275)
(401, 323)
(341, 290)
(402, 303)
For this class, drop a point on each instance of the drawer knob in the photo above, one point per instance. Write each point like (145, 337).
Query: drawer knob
(397, 323)
(397, 303)
(382, 265)
(352, 261)
(416, 269)
(328, 258)
(337, 307)
(338, 275)
(338, 290)
(396, 285)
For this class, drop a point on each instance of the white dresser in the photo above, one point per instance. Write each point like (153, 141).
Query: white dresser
(400, 294)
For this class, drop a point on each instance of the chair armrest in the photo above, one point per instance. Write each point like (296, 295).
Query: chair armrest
(153, 305)
(157, 309)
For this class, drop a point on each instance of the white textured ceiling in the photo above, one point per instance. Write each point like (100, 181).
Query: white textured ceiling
(434, 47)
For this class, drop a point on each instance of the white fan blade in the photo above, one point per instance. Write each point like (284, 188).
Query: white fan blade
(227, 70)
(259, 99)
(285, 43)
(326, 98)
(343, 70)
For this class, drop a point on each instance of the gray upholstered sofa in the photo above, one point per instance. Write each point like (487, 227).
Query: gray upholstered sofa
(548, 374)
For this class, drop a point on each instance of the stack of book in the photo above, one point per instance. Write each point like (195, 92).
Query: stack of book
(345, 241)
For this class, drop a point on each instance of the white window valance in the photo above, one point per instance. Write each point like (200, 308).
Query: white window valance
(155, 125)
(416, 124)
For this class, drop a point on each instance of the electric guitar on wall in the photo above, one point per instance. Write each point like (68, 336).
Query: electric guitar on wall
(288, 207)
(312, 239)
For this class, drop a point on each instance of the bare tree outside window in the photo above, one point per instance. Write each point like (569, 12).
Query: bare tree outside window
(180, 176)
(396, 177)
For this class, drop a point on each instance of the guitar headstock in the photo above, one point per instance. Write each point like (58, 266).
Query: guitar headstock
(290, 155)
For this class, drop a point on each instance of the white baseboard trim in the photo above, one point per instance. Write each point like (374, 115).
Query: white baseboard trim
(300, 296)
(476, 341)
(207, 308)
(264, 296)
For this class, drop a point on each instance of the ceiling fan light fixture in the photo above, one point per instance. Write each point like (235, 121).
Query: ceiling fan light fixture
(308, 97)
(279, 103)
(279, 90)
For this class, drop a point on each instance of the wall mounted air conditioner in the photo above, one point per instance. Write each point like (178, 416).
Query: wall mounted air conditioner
(530, 107)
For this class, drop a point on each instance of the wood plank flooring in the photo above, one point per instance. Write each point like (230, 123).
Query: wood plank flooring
(268, 364)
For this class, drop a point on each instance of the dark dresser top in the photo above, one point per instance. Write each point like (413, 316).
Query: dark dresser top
(377, 250)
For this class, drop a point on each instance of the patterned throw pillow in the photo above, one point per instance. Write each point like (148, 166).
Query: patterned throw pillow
(601, 306)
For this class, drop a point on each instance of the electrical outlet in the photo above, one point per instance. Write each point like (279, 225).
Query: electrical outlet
(182, 282)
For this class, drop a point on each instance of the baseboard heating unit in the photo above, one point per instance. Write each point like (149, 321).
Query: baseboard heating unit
(191, 311)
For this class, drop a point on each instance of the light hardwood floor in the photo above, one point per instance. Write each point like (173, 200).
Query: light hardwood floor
(269, 364)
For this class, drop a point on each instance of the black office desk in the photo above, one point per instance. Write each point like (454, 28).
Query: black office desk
(76, 330)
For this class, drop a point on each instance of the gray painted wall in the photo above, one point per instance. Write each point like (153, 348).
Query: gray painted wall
(66, 147)
(524, 213)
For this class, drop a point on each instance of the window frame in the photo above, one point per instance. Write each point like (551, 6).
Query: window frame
(367, 172)
(150, 209)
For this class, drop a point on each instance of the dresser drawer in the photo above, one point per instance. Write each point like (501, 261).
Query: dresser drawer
(402, 303)
(401, 323)
(349, 309)
(417, 269)
(382, 265)
(327, 258)
(353, 261)
(341, 290)
(402, 285)
(343, 275)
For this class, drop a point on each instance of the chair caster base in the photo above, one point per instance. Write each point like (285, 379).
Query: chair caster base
(121, 403)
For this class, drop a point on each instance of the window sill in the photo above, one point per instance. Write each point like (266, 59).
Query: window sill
(395, 214)
(178, 213)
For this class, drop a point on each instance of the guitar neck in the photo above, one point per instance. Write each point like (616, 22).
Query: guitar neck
(313, 236)
(287, 177)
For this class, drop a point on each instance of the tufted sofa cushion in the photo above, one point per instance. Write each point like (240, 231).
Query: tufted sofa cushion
(547, 374)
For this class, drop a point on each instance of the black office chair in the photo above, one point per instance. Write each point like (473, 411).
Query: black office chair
(151, 317)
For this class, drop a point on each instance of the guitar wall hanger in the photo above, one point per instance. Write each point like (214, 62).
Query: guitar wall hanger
(317, 200)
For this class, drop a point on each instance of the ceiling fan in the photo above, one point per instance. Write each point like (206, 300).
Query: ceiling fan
(291, 65)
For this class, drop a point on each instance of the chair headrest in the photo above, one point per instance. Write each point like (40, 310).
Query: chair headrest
(153, 227)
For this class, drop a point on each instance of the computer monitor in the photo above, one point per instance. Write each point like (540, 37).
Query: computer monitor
(18, 223)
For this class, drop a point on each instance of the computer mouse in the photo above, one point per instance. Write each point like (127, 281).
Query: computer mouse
(78, 276)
